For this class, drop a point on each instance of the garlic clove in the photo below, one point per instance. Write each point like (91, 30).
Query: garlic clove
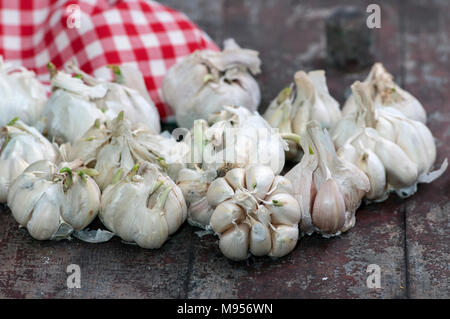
(372, 166)
(281, 185)
(284, 240)
(45, 217)
(152, 230)
(225, 215)
(219, 190)
(400, 169)
(234, 242)
(259, 179)
(284, 208)
(328, 212)
(81, 203)
(235, 178)
(260, 238)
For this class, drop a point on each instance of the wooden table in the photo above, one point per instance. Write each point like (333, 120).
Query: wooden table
(409, 239)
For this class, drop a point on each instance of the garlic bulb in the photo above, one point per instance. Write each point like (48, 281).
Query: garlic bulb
(145, 207)
(236, 138)
(254, 210)
(20, 145)
(201, 83)
(328, 189)
(113, 148)
(386, 93)
(77, 101)
(394, 151)
(52, 201)
(295, 106)
(21, 94)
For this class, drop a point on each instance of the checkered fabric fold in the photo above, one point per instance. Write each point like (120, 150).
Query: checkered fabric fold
(146, 34)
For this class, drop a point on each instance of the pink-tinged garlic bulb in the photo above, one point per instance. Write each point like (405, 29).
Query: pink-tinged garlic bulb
(328, 189)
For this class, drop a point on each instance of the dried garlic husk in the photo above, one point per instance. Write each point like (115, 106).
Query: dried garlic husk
(307, 100)
(145, 207)
(201, 83)
(77, 101)
(114, 147)
(236, 138)
(21, 94)
(254, 211)
(394, 151)
(384, 92)
(328, 189)
(52, 201)
(20, 145)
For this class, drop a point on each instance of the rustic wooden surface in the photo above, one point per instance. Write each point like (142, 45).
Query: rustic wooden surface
(409, 239)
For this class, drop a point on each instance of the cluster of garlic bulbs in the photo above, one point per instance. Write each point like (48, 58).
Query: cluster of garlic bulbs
(384, 92)
(393, 150)
(52, 200)
(307, 100)
(21, 94)
(114, 147)
(78, 100)
(328, 189)
(236, 137)
(20, 145)
(145, 207)
(201, 83)
(255, 211)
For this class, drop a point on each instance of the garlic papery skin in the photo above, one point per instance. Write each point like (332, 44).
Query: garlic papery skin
(78, 101)
(306, 100)
(386, 93)
(254, 211)
(328, 188)
(52, 201)
(144, 207)
(201, 83)
(114, 147)
(394, 151)
(20, 145)
(21, 94)
(235, 138)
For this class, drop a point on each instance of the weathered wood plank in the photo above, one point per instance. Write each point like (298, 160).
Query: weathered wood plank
(427, 74)
(37, 269)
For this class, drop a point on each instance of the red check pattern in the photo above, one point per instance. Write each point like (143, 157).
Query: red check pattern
(144, 33)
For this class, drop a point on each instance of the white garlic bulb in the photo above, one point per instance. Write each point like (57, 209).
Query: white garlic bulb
(113, 148)
(145, 207)
(52, 201)
(328, 189)
(308, 100)
(394, 151)
(20, 145)
(386, 93)
(236, 138)
(21, 94)
(254, 211)
(77, 101)
(201, 83)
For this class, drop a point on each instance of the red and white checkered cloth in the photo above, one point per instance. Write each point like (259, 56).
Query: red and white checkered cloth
(140, 32)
